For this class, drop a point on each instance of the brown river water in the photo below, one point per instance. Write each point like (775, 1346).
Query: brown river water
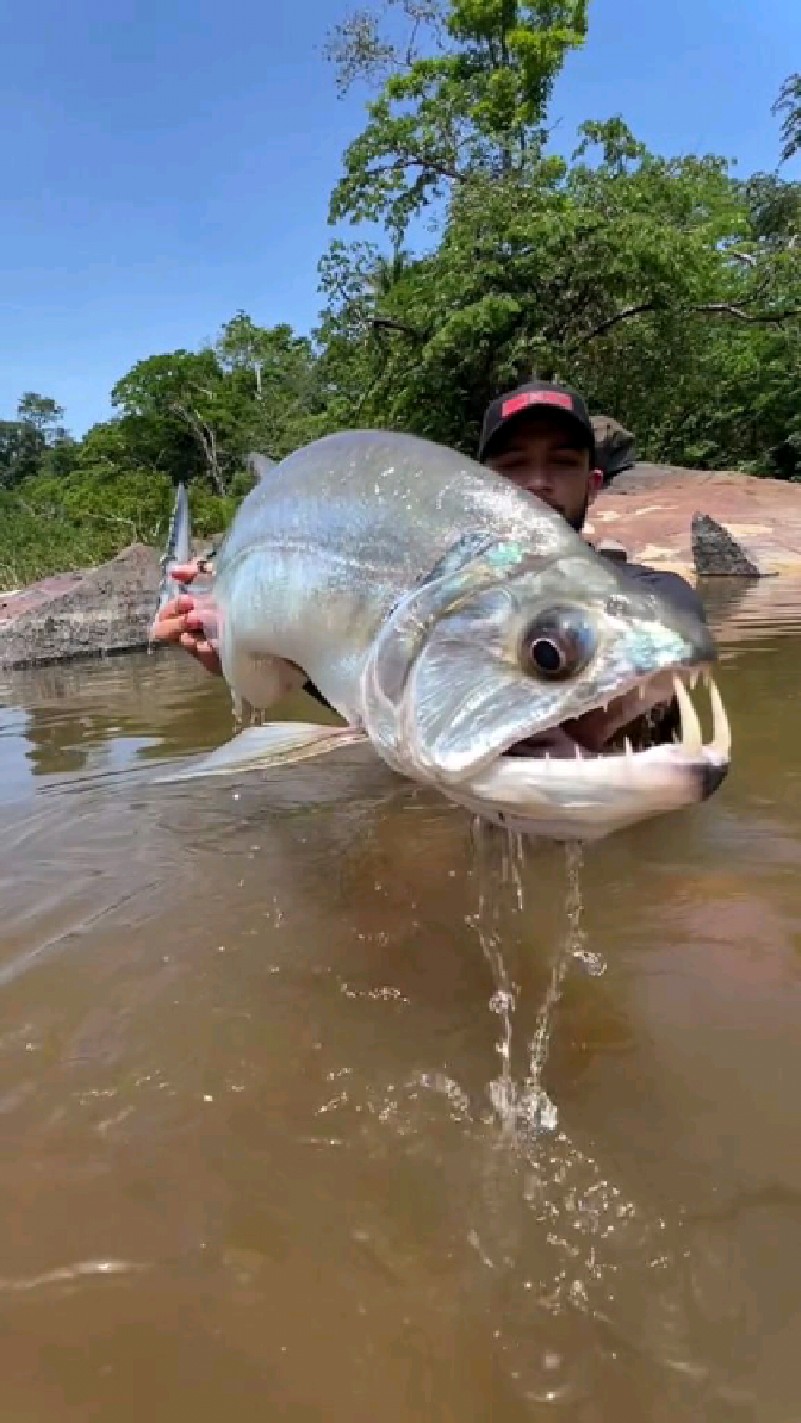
(316, 1105)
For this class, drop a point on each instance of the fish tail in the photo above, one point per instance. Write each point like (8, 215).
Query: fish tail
(177, 549)
(179, 539)
(260, 465)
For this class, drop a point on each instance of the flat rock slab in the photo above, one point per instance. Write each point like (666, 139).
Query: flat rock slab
(86, 612)
(650, 508)
(15, 601)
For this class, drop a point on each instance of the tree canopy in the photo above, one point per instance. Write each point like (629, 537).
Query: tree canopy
(664, 286)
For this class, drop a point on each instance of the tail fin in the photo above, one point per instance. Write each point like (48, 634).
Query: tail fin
(177, 550)
(260, 465)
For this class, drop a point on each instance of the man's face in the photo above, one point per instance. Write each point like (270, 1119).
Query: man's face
(544, 454)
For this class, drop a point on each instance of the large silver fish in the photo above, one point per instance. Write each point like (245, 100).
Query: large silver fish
(462, 629)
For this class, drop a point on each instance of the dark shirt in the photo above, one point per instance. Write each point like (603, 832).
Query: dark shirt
(681, 593)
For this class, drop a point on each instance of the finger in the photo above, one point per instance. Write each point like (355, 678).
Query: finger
(197, 643)
(204, 653)
(185, 572)
(184, 603)
(168, 629)
(201, 621)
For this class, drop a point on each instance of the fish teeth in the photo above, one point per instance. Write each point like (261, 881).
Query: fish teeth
(692, 741)
(721, 731)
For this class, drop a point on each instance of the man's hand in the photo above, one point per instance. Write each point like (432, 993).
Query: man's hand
(189, 622)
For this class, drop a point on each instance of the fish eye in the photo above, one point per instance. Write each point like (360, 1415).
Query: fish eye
(557, 644)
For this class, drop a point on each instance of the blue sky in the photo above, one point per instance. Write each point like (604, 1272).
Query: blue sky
(165, 163)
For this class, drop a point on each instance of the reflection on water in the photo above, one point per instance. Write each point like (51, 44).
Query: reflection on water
(261, 1047)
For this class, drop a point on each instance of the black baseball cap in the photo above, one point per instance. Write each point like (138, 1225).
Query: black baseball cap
(537, 395)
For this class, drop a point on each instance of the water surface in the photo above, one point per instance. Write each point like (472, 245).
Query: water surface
(250, 1043)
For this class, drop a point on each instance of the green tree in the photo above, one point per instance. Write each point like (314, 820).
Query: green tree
(561, 270)
(621, 270)
(36, 442)
(42, 414)
(665, 287)
(468, 95)
(789, 104)
(183, 415)
(276, 371)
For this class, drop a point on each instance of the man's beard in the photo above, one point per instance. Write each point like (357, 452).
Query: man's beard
(577, 521)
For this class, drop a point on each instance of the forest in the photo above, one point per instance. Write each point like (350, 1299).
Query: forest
(663, 286)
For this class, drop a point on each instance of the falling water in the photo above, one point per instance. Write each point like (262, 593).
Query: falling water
(559, 1238)
(487, 925)
(528, 1105)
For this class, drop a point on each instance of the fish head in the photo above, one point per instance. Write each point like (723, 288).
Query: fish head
(508, 680)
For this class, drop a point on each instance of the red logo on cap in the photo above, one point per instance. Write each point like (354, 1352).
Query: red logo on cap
(535, 397)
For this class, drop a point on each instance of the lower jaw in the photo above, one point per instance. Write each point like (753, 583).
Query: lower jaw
(595, 815)
(589, 800)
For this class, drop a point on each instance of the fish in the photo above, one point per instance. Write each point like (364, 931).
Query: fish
(464, 633)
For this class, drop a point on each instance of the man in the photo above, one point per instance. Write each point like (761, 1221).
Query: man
(541, 437)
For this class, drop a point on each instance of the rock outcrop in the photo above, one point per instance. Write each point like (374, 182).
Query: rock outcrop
(716, 554)
(650, 509)
(89, 612)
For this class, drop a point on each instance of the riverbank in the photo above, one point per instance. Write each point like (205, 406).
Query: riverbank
(651, 510)
(83, 613)
(703, 525)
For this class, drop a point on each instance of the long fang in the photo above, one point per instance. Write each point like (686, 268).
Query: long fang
(691, 738)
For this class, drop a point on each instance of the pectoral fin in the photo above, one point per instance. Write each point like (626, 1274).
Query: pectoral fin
(266, 748)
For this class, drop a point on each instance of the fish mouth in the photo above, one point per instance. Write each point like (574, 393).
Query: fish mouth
(619, 763)
(654, 718)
